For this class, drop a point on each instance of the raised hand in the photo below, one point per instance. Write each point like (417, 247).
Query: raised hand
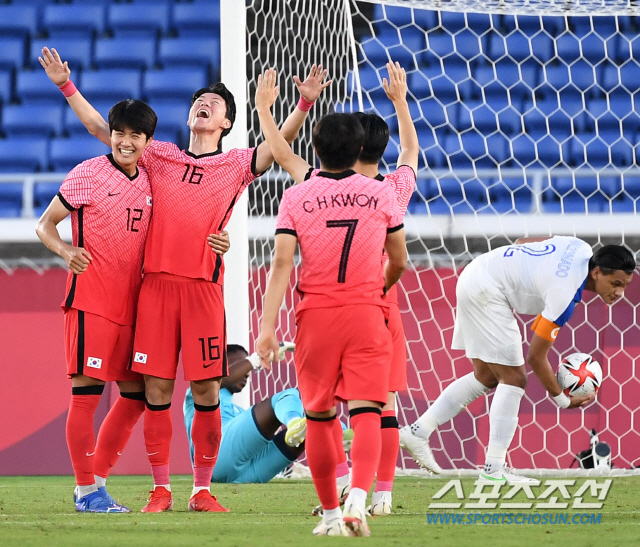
(77, 258)
(266, 90)
(57, 71)
(396, 86)
(311, 88)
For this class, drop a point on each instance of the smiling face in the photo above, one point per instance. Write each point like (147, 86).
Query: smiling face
(610, 286)
(208, 113)
(127, 147)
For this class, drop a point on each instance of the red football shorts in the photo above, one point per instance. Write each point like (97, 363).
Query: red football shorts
(342, 352)
(174, 313)
(97, 347)
(398, 372)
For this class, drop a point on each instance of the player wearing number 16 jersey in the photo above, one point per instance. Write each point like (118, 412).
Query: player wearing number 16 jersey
(342, 221)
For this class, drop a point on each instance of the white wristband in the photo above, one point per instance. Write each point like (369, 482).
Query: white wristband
(254, 359)
(562, 400)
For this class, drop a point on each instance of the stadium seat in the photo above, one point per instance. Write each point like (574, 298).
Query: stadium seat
(73, 126)
(10, 199)
(172, 116)
(440, 43)
(374, 52)
(568, 48)
(11, 52)
(518, 46)
(201, 52)
(73, 20)
(484, 118)
(397, 15)
(172, 136)
(524, 150)
(194, 20)
(76, 51)
(111, 84)
(510, 121)
(147, 19)
(23, 155)
(557, 76)
(433, 112)
(18, 20)
(5, 86)
(542, 47)
(511, 195)
(593, 48)
(43, 193)
(548, 151)
(627, 193)
(34, 85)
(579, 195)
(498, 147)
(453, 21)
(35, 120)
(173, 83)
(65, 154)
(125, 52)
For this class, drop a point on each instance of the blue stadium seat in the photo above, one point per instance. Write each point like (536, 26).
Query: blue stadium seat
(125, 52)
(518, 46)
(610, 76)
(171, 135)
(548, 151)
(583, 75)
(433, 112)
(34, 85)
(196, 19)
(18, 20)
(440, 43)
(469, 45)
(560, 125)
(510, 195)
(73, 126)
(484, 119)
(43, 193)
(460, 114)
(574, 196)
(65, 154)
(23, 155)
(557, 76)
(482, 22)
(34, 120)
(72, 20)
(173, 83)
(374, 52)
(147, 19)
(510, 121)
(203, 52)
(475, 146)
(507, 72)
(524, 150)
(76, 51)
(10, 199)
(453, 21)
(413, 39)
(425, 19)
(499, 149)
(626, 194)
(397, 15)
(111, 84)
(11, 52)
(568, 47)
(593, 48)
(630, 77)
(542, 47)
(370, 78)
(5, 86)
(172, 116)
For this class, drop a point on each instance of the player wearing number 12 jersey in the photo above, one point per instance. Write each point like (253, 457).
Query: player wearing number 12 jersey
(109, 200)
(342, 221)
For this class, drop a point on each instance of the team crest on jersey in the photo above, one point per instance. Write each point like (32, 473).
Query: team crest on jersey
(149, 201)
(94, 362)
(140, 358)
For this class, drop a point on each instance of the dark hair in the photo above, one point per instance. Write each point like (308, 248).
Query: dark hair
(232, 348)
(220, 89)
(611, 258)
(136, 115)
(376, 136)
(338, 140)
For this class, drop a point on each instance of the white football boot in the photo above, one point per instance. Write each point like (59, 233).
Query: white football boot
(336, 527)
(505, 476)
(419, 449)
(380, 504)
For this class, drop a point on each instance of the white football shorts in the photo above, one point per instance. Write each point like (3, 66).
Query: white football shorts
(485, 327)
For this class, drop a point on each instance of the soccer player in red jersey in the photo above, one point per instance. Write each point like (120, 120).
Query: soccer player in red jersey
(181, 305)
(109, 200)
(341, 220)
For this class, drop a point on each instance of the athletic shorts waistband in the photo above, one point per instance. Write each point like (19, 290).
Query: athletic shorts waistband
(163, 276)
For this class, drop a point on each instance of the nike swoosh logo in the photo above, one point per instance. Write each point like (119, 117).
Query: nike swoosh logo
(209, 458)
(92, 453)
(207, 366)
(493, 478)
(111, 195)
(119, 453)
(153, 453)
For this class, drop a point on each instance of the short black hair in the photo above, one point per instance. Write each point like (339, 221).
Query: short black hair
(136, 115)
(376, 136)
(338, 140)
(232, 348)
(220, 89)
(611, 258)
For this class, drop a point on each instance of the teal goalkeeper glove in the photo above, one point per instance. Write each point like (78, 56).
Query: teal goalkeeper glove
(254, 358)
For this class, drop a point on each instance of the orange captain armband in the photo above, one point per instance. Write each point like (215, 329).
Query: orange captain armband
(545, 328)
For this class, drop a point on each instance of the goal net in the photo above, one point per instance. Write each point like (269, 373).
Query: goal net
(528, 126)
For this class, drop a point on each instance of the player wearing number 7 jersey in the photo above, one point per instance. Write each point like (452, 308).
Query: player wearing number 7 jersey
(537, 276)
(342, 221)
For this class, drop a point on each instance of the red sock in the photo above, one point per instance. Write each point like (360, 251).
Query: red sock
(322, 459)
(206, 434)
(116, 430)
(158, 430)
(81, 439)
(390, 435)
(365, 453)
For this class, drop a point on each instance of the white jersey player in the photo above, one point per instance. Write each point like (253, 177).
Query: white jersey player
(537, 276)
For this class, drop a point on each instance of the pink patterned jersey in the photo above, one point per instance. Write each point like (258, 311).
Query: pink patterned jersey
(341, 221)
(193, 197)
(110, 214)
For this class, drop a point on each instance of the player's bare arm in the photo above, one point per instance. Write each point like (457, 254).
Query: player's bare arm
(266, 94)
(219, 243)
(309, 90)
(77, 258)
(538, 359)
(59, 73)
(395, 246)
(396, 90)
(524, 240)
(277, 284)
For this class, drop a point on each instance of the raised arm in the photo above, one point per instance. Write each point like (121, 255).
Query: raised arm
(309, 90)
(275, 145)
(59, 73)
(396, 90)
(396, 249)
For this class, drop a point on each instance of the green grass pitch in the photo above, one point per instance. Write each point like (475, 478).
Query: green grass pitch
(38, 511)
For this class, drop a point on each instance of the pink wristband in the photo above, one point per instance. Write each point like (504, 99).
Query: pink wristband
(68, 88)
(305, 105)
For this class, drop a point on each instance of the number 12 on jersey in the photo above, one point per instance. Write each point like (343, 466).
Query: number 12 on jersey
(350, 225)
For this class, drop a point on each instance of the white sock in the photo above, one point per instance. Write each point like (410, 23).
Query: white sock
(449, 404)
(197, 489)
(503, 421)
(329, 515)
(100, 481)
(86, 490)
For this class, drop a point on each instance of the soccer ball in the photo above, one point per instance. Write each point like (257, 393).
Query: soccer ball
(579, 374)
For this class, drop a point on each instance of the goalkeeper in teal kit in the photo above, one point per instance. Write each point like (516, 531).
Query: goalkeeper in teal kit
(252, 450)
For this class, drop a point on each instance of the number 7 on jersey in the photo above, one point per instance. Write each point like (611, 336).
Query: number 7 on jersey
(350, 225)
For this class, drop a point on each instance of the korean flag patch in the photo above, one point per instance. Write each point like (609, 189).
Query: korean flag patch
(140, 358)
(94, 362)
(149, 201)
